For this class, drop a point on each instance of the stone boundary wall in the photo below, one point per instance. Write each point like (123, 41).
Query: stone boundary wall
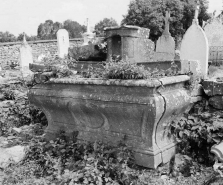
(9, 51)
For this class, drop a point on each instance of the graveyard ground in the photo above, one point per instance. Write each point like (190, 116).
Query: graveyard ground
(66, 161)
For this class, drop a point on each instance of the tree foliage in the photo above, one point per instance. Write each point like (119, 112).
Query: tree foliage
(7, 37)
(74, 29)
(106, 22)
(48, 30)
(28, 38)
(150, 14)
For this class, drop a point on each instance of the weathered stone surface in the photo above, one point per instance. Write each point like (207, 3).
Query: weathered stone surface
(130, 43)
(15, 154)
(216, 102)
(218, 151)
(213, 31)
(191, 66)
(9, 52)
(110, 110)
(212, 87)
(165, 46)
(194, 46)
(62, 42)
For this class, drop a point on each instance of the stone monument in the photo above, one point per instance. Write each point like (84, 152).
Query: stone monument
(62, 42)
(88, 36)
(194, 45)
(25, 56)
(130, 43)
(165, 46)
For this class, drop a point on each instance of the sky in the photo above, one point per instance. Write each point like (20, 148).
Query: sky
(17, 16)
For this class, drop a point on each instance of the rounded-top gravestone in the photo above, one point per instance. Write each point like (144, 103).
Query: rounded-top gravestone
(194, 45)
(62, 42)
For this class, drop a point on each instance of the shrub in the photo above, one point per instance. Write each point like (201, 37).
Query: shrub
(123, 69)
(19, 111)
(95, 52)
(65, 160)
(197, 133)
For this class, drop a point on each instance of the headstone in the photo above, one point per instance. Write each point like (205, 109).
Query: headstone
(165, 46)
(194, 45)
(25, 56)
(88, 36)
(62, 42)
(214, 32)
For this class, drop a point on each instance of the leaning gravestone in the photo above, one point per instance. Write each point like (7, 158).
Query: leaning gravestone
(194, 45)
(62, 42)
(25, 56)
(165, 46)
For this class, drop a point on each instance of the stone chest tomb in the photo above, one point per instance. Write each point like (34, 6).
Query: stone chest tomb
(109, 110)
(129, 42)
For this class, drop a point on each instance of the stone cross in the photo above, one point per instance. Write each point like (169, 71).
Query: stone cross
(195, 20)
(167, 23)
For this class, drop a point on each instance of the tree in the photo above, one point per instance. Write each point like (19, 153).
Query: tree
(74, 29)
(7, 37)
(28, 38)
(150, 14)
(106, 22)
(48, 30)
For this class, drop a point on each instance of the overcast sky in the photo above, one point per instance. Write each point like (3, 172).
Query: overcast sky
(17, 16)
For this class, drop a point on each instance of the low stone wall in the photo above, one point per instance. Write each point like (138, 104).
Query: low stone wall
(9, 52)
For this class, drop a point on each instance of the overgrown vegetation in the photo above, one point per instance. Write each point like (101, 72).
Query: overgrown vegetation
(111, 69)
(95, 51)
(16, 110)
(65, 160)
(68, 161)
(118, 70)
(197, 132)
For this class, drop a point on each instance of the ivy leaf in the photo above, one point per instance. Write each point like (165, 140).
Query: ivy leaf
(181, 134)
(195, 127)
(217, 140)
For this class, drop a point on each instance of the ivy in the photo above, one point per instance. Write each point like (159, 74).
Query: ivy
(197, 133)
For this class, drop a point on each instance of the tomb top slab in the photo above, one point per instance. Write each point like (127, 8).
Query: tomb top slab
(127, 30)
